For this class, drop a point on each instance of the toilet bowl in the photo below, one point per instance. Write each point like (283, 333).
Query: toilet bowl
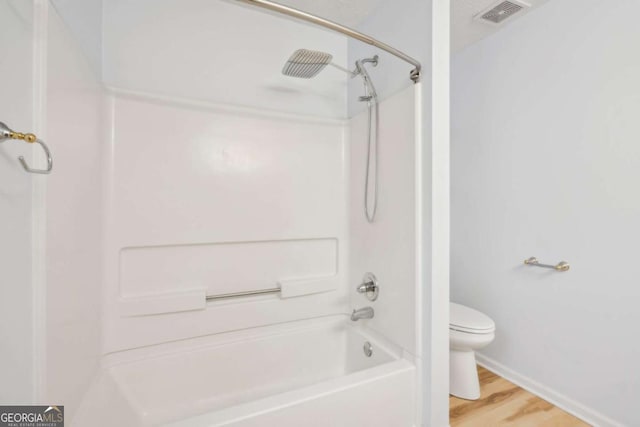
(469, 330)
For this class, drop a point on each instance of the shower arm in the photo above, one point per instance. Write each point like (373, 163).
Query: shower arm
(358, 71)
(414, 75)
(351, 74)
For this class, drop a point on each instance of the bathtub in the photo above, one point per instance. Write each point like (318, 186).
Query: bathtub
(307, 373)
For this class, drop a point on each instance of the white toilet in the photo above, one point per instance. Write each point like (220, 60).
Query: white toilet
(469, 330)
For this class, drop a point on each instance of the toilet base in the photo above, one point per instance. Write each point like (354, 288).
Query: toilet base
(463, 375)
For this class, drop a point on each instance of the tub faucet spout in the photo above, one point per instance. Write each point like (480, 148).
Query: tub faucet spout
(362, 313)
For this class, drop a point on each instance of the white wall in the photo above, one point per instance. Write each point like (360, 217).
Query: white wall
(16, 89)
(73, 114)
(51, 273)
(421, 29)
(545, 163)
(386, 247)
(220, 52)
(210, 199)
(84, 20)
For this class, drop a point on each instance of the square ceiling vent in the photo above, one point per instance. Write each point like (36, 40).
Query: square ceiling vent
(500, 12)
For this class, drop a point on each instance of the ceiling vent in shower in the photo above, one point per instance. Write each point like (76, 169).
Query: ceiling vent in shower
(501, 11)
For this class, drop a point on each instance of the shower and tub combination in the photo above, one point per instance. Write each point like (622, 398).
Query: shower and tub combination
(245, 245)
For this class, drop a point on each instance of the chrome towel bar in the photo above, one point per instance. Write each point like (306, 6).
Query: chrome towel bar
(243, 294)
(561, 266)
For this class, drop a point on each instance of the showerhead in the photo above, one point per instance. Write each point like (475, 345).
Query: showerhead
(305, 64)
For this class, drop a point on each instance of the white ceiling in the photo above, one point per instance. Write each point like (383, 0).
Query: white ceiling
(84, 18)
(345, 12)
(465, 30)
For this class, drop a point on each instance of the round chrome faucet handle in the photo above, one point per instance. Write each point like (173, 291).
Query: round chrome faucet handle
(369, 287)
(366, 287)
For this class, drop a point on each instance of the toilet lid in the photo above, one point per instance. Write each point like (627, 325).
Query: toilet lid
(466, 319)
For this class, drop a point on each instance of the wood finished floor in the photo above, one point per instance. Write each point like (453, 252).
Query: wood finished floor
(502, 403)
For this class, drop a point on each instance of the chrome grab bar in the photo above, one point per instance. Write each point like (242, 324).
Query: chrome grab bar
(561, 266)
(243, 294)
(7, 134)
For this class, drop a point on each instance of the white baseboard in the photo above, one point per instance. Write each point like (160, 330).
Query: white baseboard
(563, 402)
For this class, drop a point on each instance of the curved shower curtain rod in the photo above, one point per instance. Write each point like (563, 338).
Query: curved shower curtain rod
(295, 13)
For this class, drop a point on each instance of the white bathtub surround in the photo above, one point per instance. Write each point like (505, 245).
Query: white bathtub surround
(54, 239)
(307, 258)
(74, 208)
(545, 161)
(395, 220)
(229, 199)
(287, 375)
